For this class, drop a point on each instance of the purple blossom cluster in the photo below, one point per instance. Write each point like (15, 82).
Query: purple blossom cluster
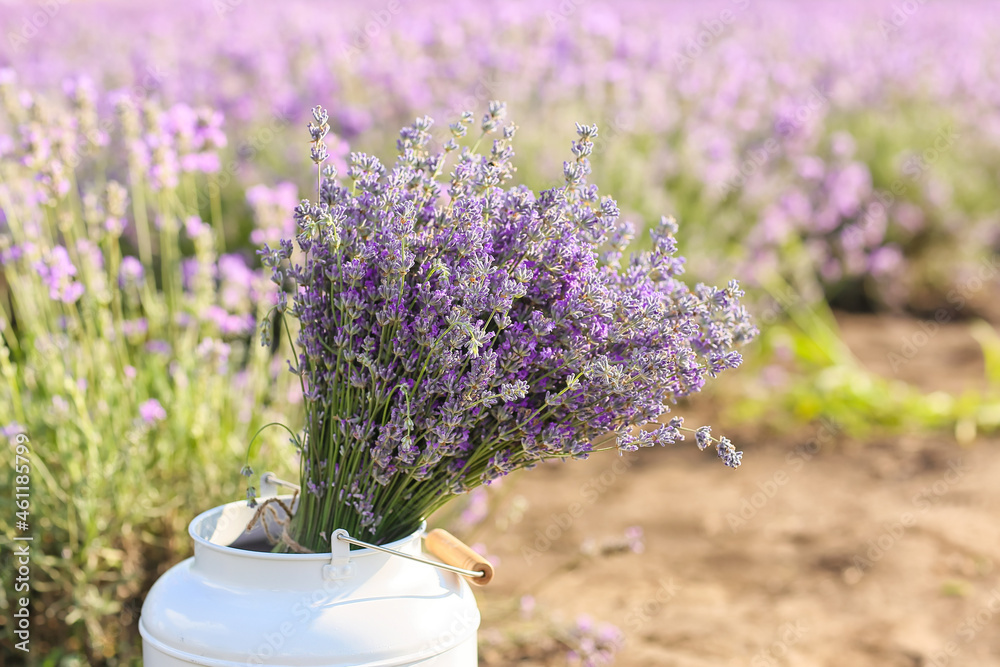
(593, 645)
(454, 329)
(58, 273)
(179, 140)
(273, 210)
(152, 412)
(771, 144)
(62, 162)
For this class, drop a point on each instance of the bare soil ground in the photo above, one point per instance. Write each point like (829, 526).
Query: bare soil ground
(818, 551)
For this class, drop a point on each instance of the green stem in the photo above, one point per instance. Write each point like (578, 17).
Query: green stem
(215, 207)
(141, 221)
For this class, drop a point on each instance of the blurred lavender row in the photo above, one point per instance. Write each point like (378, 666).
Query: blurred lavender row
(845, 147)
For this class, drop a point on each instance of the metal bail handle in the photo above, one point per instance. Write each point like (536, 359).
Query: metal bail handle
(269, 483)
(457, 557)
(442, 544)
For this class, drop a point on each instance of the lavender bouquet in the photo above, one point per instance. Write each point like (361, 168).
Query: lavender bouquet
(454, 330)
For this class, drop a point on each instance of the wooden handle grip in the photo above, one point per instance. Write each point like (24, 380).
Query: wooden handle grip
(453, 551)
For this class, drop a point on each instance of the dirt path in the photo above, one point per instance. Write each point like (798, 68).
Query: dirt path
(818, 551)
(842, 557)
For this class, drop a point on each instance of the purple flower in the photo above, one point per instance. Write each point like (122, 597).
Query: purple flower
(194, 227)
(135, 328)
(273, 209)
(885, 260)
(57, 272)
(482, 323)
(11, 255)
(131, 272)
(228, 323)
(192, 270)
(635, 539)
(703, 436)
(158, 347)
(728, 453)
(90, 255)
(114, 225)
(594, 645)
(152, 412)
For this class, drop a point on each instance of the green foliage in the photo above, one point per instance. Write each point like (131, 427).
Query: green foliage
(113, 480)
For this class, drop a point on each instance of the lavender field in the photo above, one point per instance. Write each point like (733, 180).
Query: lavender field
(840, 160)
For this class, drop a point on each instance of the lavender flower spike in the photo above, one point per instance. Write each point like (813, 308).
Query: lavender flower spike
(454, 327)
